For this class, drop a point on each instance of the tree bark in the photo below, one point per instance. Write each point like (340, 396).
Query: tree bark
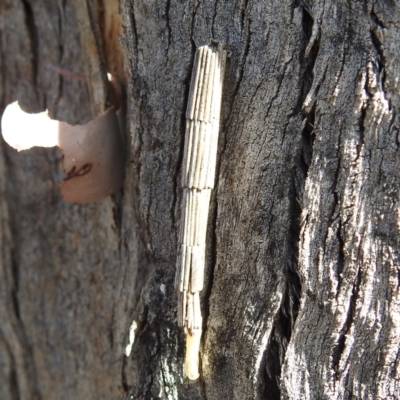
(301, 298)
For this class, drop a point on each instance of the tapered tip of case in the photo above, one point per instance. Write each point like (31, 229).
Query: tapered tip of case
(192, 354)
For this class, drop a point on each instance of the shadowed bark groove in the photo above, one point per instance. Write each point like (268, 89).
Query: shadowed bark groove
(301, 297)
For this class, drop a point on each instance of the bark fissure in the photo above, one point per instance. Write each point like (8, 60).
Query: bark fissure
(361, 124)
(280, 335)
(169, 30)
(307, 61)
(242, 70)
(192, 28)
(288, 314)
(61, 10)
(117, 215)
(15, 393)
(33, 35)
(308, 138)
(33, 39)
(376, 19)
(14, 389)
(286, 317)
(308, 58)
(380, 60)
(337, 351)
(211, 254)
(15, 285)
(341, 256)
(243, 13)
(213, 19)
(132, 18)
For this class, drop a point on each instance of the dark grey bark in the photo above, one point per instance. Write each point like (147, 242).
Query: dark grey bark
(302, 289)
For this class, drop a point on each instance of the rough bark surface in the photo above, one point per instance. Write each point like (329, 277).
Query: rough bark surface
(302, 293)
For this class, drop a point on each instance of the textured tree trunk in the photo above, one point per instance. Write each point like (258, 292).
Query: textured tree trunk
(301, 298)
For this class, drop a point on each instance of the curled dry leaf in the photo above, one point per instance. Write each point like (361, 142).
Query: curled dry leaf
(93, 159)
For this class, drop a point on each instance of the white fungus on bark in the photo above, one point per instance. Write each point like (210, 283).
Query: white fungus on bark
(198, 175)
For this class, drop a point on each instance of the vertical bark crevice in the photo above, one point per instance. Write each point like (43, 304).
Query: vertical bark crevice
(341, 255)
(213, 19)
(380, 61)
(15, 393)
(280, 336)
(211, 257)
(284, 322)
(307, 63)
(34, 44)
(307, 58)
(15, 284)
(212, 242)
(376, 19)
(135, 38)
(167, 21)
(33, 35)
(117, 213)
(341, 341)
(242, 68)
(192, 27)
(308, 137)
(243, 12)
(361, 126)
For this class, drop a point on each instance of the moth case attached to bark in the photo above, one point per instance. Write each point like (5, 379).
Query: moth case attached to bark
(198, 175)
